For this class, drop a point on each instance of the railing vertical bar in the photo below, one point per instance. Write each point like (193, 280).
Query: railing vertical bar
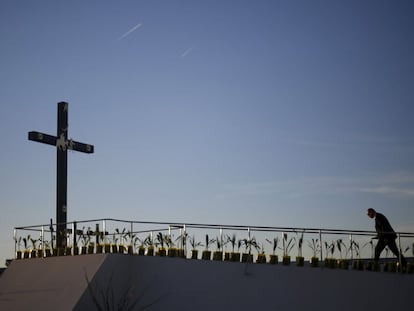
(42, 241)
(321, 245)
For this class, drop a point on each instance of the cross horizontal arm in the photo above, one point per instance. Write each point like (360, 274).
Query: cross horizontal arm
(42, 138)
(81, 147)
(52, 140)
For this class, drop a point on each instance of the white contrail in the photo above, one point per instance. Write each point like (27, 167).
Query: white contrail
(130, 31)
(186, 52)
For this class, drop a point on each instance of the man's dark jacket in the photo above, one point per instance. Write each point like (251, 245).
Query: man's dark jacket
(383, 227)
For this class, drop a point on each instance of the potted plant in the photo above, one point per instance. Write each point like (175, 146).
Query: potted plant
(149, 242)
(48, 251)
(372, 265)
(273, 258)
(123, 238)
(342, 262)
(26, 253)
(261, 256)
(19, 254)
(172, 250)
(316, 248)
(287, 247)
(194, 244)
(330, 261)
(159, 242)
(218, 254)
(300, 260)
(85, 239)
(137, 242)
(90, 248)
(357, 264)
(248, 244)
(182, 244)
(33, 252)
(130, 247)
(206, 254)
(234, 256)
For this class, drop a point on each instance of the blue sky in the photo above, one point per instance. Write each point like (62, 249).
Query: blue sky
(273, 113)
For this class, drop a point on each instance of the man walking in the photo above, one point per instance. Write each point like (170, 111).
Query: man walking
(385, 234)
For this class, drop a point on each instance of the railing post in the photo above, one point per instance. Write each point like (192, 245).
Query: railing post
(321, 245)
(74, 243)
(400, 252)
(351, 245)
(42, 240)
(104, 231)
(130, 236)
(97, 235)
(185, 240)
(15, 242)
(221, 240)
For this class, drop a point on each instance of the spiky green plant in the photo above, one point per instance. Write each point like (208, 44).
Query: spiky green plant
(194, 244)
(182, 239)
(249, 243)
(315, 246)
(208, 242)
(287, 244)
(232, 240)
(160, 240)
(300, 243)
(274, 244)
(149, 241)
(340, 245)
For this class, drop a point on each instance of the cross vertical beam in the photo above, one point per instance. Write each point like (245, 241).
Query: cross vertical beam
(61, 174)
(62, 145)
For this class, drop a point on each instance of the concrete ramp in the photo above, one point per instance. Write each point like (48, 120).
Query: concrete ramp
(54, 283)
(122, 282)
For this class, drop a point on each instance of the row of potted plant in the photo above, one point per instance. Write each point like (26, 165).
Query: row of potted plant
(163, 245)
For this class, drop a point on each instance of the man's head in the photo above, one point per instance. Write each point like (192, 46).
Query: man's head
(371, 213)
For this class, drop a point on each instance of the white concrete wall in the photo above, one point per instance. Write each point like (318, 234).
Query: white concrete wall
(178, 284)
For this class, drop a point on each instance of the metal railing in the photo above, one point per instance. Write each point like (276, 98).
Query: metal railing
(128, 233)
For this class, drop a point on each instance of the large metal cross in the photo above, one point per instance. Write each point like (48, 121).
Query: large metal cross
(62, 145)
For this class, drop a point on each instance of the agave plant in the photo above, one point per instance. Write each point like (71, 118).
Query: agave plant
(19, 243)
(300, 243)
(261, 257)
(315, 246)
(287, 245)
(206, 255)
(168, 241)
(357, 264)
(343, 262)
(208, 242)
(340, 245)
(316, 249)
(249, 243)
(149, 241)
(182, 239)
(85, 237)
(232, 240)
(160, 240)
(139, 243)
(274, 244)
(219, 243)
(194, 244)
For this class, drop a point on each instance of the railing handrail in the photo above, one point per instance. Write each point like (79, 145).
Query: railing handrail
(224, 227)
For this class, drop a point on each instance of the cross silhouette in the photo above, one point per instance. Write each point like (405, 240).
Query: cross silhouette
(62, 146)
